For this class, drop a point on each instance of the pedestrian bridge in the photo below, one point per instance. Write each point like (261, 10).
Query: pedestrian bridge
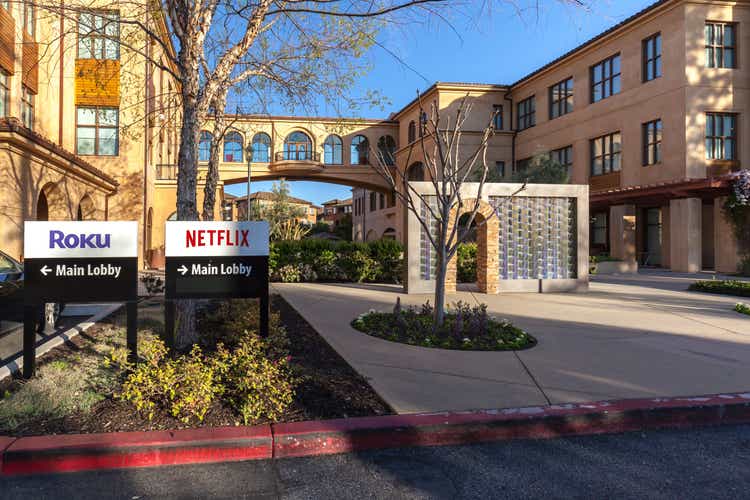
(339, 151)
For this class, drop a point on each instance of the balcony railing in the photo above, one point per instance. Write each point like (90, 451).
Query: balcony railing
(311, 156)
(166, 172)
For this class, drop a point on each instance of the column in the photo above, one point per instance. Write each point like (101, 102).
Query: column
(622, 232)
(685, 235)
(726, 250)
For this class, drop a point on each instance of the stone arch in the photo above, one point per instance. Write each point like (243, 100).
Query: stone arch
(389, 234)
(86, 209)
(371, 235)
(415, 172)
(51, 204)
(488, 247)
(295, 148)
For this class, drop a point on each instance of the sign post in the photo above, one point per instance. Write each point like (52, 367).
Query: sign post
(207, 260)
(72, 261)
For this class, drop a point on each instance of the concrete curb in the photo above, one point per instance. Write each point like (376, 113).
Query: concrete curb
(59, 339)
(66, 453)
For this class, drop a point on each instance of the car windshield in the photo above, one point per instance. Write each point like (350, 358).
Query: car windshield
(6, 264)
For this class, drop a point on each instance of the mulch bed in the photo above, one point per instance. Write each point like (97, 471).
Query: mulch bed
(329, 388)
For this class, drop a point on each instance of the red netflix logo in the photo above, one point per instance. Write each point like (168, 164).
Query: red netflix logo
(216, 237)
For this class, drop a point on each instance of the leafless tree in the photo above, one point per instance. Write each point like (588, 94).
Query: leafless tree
(449, 163)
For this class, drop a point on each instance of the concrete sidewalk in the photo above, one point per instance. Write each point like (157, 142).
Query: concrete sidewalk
(641, 336)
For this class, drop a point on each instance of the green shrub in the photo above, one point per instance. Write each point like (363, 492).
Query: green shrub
(742, 308)
(467, 263)
(325, 260)
(726, 287)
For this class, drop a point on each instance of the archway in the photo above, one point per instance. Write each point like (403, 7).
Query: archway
(371, 235)
(52, 204)
(86, 209)
(415, 172)
(42, 207)
(486, 226)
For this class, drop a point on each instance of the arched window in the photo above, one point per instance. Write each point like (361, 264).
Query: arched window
(42, 207)
(360, 150)
(333, 150)
(412, 131)
(297, 146)
(86, 209)
(261, 148)
(415, 172)
(423, 119)
(387, 149)
(204, 146)
(389, 234)
(233, 147)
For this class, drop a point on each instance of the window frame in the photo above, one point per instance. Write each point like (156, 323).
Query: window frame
(722, 138)
(650, 140)
(567, 152)
(528, 115)
(411, 132)
(607, 153)
(202, 141)
(607, 63)
(260, 138)
(27, 105)
(29, 11)
(363, 152)
(94, 34)
(96, 128)
(561, 104)
(720, 49)
(226, 140)
(389, 157)
(330, 141)
(497, 117)
(655, 62)
(4, 92)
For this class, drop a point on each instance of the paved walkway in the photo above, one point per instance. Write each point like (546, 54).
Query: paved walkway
(628, 337)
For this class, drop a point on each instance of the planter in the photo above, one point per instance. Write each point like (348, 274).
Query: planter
(616, 267)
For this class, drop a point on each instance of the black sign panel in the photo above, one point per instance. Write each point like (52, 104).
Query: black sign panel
(80, 280)
(216, 277)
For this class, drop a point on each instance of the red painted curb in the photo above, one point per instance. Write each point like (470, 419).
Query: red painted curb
(66, 453)
(76, 452)
(347, 435)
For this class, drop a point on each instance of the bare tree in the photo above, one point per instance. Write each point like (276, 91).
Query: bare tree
(449, 163)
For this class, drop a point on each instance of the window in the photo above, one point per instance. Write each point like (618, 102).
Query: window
(523, 165)
(98, 35)
(415, 172)
(561, 98)
(605, 78)
(652, 142)
(333, 150)
(720, 45)
(527, 113)
(652, 57)
(387, 149)
(606, 154)
(563, 156)
(29, 18)
(360, 150)
(4, 92)
(97, 131)
(27, 107)
(204, 146)
(261, 148)
(298, 146)
(497, 117)
(599, 229)
(373, 202)
(500, 169)
(233, 145)
(423, 119)
(721, 136)
(5, 4)
(381, 200)
(412, 133)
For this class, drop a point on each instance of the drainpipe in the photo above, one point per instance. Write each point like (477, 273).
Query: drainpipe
(515, 132)
(61, 107)
(146, 146)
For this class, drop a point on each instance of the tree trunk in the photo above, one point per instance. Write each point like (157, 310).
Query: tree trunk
(440, 274)
(212, 176)
(187, 179)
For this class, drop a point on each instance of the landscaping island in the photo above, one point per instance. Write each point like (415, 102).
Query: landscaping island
(294, 375)
(725, 287)
(466, 328)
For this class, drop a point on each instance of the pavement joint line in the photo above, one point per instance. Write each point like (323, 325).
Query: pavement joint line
(447, 374)
(531, 376)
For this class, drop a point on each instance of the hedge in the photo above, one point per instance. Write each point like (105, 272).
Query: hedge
(727, 287)
(324, 260)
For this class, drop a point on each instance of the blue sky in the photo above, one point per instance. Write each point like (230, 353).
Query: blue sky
(489, 45)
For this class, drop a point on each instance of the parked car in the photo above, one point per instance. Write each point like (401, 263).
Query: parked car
(11, 297)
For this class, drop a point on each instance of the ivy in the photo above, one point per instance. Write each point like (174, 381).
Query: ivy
(737, 212)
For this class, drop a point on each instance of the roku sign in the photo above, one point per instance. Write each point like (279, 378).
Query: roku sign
(58, 239)
(216, 237)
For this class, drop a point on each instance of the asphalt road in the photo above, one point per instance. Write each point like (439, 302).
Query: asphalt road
(705, 463)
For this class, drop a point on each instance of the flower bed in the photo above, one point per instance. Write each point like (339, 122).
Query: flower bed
(742, 308)
(466, 328)
(725, 287)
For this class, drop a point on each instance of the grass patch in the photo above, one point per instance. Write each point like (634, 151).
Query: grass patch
(725, 287)
(742, 308)
(466, 328)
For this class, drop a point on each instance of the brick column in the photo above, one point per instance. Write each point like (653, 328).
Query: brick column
(685, 235)
(488, 253)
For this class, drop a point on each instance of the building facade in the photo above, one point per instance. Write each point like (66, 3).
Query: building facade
(262, 199)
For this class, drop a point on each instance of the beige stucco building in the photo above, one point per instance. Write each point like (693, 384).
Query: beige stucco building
(650, 114)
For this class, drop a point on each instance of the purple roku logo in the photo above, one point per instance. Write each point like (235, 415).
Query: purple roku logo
(58, 239)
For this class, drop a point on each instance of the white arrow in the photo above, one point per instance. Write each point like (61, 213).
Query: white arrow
(45, 270)
(183, 270)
